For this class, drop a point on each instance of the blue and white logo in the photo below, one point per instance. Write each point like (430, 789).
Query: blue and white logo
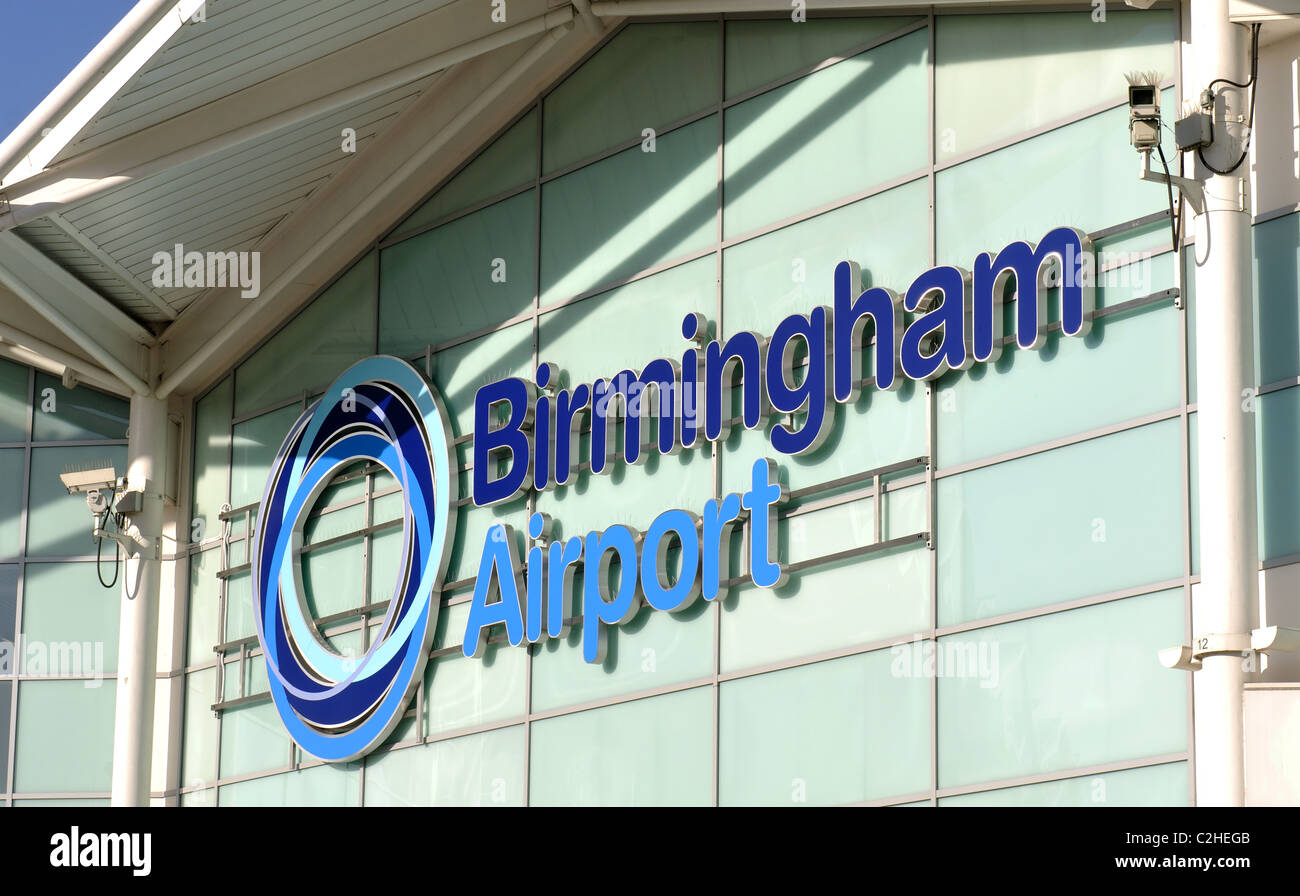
(380, 410)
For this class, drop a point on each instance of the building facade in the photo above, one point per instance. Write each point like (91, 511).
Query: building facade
(982, 567)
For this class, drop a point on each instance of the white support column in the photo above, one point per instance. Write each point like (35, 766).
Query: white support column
(1226, 604)
(138, 631)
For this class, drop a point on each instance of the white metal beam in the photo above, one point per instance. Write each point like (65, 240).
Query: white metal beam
(590, 19)
(108, 261)
(107, 56)
(26, 349)
(389, 60)
(76, 310)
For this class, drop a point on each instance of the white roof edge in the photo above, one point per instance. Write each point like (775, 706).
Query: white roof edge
(89, 86)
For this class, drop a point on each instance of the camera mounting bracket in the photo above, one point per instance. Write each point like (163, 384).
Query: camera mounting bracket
(1191, 191)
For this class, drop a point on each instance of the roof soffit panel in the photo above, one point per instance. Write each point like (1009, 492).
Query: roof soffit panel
(359, 62)
(238, 46)
(399, 56)
(353, 210)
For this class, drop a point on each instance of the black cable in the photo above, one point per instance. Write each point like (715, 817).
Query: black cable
(99, 547)
(99, 542)
(1169, 185)
(1254, 52)
(1250, 120)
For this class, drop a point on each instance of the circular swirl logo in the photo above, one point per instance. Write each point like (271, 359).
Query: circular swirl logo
(379, 410)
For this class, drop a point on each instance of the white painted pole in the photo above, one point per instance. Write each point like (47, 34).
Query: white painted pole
(137, 651)
(1227, 600)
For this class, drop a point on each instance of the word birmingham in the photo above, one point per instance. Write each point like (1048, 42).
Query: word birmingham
(673, 405)
(180, 269)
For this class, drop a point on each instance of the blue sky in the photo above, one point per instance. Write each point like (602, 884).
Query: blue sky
(43, 42)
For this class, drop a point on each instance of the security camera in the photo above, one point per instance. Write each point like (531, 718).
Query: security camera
(108, 498)
(1144, 116)
(89, 479)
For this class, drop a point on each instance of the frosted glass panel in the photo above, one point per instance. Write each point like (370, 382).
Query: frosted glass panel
(1278, 433)
(239, 607)
(508, 162)
(790, 271)
(307, 353)
(1157, 785)
(1194, 491)
(204, 607)
(333, 577)
(653, 650)
(255, 443)
(202, 798)
(253, 739)
(761, 52)
(461, 370)
(652, 752)
(630, 212)
(58, 524)
(1071, 385)
(13, 463)
(1059, 63)
(13, 402)
(839, 605)
(211, 457)
(1066, 690)
(1085, 519)
(1189, 301)
(479, 770)
(648, 76)
(634, 495)
(385, 560)
(325, 785)
(841, 731)
(8, 611)
(340, 507)
(6, 705)
(63, 414)
(472, 525)
(1023, 191)
(823, 137)
(636, 323)
(462, 692)
(1277, 287)
(461, 277)
(69, 620)
(199, 748)
(877, 429)
(64, 739)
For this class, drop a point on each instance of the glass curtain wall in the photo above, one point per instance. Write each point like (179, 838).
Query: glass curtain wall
(999, 649)
(58, 624)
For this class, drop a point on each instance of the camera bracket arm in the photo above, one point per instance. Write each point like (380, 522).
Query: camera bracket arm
(132, 541)
(1192, 191)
